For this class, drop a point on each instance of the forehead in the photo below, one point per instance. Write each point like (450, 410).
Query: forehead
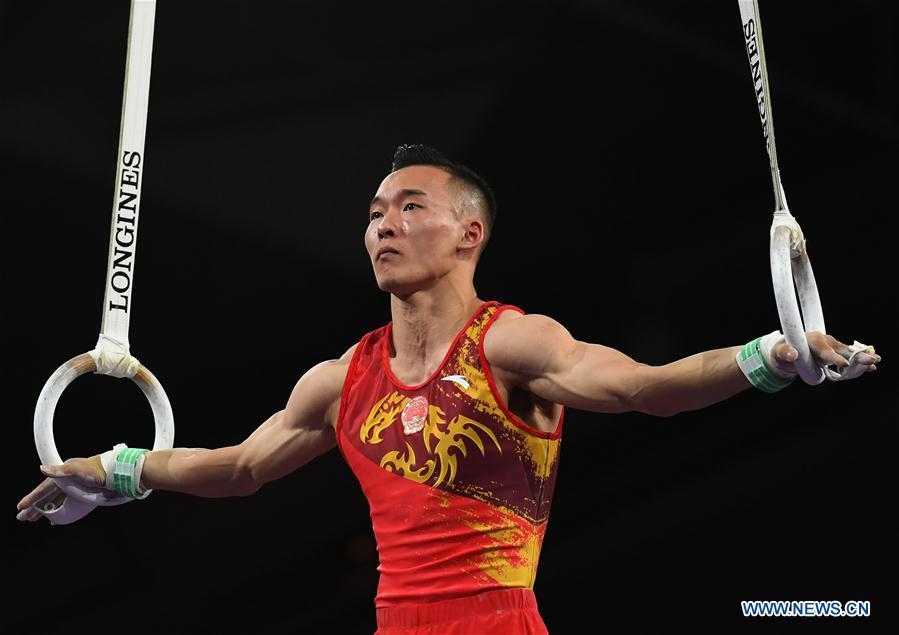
(432, 180)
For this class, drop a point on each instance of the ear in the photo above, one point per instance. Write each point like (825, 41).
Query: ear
(474, 233)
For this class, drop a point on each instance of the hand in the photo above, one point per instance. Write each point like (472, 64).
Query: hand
(86, 473)
(826, 351)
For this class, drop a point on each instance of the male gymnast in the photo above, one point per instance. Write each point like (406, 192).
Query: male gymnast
(450, 416)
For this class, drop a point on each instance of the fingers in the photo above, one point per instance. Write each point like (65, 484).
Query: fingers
(789, 354)
(826, 349)
(39, 493)
(828, 355)
(46, 492)
(837, 345)
(870, 360)
(54, 470)
(850, 361)
(50, 489)
(30, 515)
(36, 511)
(85, 474)
(784, 352)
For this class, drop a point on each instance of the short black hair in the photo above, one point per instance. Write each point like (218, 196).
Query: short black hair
(419, 154)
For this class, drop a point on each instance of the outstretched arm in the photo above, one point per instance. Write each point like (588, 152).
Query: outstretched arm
(546, 360)
(288, 440)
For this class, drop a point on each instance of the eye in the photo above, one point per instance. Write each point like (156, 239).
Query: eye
(373, 215)
(410, 205)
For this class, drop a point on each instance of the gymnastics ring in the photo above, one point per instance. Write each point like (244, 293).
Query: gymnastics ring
(80, 501)
(789, 269)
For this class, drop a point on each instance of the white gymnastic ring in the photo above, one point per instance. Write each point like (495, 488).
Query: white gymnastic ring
(46, 406)
(784, 270)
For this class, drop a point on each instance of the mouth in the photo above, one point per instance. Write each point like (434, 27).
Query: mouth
(385, 251)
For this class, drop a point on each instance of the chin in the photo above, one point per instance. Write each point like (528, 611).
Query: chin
(394, 287)
(387, 283)
(399, 287)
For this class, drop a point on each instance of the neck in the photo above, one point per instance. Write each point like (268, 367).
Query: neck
(426, 321)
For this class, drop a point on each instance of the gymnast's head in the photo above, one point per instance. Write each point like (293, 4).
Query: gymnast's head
(428, 223)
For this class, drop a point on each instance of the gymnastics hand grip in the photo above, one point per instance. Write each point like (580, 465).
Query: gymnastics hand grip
(71, 510)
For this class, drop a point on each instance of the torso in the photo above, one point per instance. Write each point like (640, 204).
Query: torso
(459, 481)
(533, 410)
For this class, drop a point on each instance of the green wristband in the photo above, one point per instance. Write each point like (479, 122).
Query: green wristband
(754, 366)
(126, 473)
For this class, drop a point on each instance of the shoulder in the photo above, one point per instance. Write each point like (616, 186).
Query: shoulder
(511, 326)
(333, 368)
(319, 389)
(331, 373)
(515, 341)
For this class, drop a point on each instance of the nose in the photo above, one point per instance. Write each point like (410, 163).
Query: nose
(387, 226)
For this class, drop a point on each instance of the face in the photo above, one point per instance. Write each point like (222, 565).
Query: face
(414, 236)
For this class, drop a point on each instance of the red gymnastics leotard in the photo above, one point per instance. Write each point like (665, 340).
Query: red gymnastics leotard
(459, 487)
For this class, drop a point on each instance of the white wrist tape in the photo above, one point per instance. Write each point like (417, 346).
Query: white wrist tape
(108, 461)
(138, 469)
(758, 366)
(123, 466)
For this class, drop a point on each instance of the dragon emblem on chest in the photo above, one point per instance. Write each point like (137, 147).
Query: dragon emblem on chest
(444, 441)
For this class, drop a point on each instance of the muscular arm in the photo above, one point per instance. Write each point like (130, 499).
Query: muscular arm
(288, 440)
(546, 360)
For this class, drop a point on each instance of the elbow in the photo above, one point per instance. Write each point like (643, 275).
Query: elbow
(663, 412)
(247, 486)
(248, 471)
(245, 482)
(653, 408)
(645, 396)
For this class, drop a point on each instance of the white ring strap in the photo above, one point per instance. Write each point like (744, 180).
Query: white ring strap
(111, 355)
(755, 50)
(130, 166)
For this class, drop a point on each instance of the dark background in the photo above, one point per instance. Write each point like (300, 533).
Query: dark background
(623, 141)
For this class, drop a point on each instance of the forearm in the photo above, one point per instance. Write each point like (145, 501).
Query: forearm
(208, 473)
(690, 383)
(276, 448)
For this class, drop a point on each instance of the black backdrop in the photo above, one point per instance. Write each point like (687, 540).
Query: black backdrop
(625, 148)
